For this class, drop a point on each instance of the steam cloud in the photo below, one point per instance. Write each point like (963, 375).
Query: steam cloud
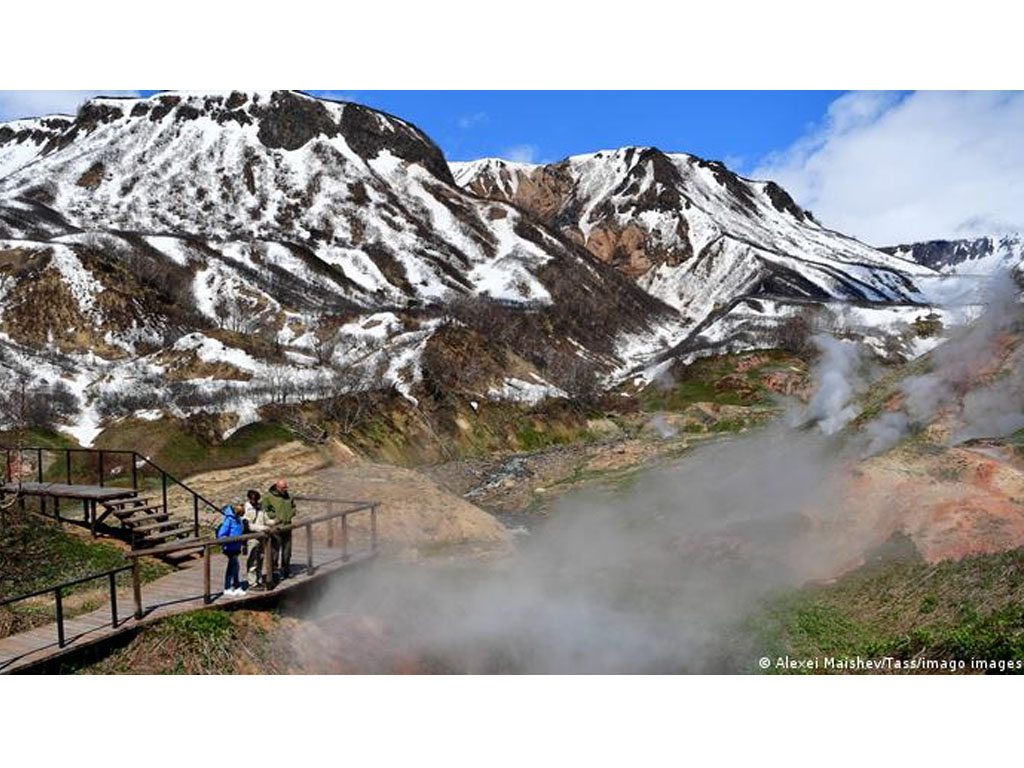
(649, 578)
(644, 580)
(988, 411)
(838, 381)
(656, 577)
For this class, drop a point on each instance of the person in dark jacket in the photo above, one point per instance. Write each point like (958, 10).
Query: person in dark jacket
(280, 510)
(230, 526)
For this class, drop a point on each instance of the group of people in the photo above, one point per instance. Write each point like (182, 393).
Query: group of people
(261, 514)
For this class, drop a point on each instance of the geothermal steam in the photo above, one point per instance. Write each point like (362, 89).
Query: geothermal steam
(655, 577)
(648, 578)
(988, 411)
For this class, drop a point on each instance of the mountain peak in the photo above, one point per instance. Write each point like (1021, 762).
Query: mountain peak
(278, 120)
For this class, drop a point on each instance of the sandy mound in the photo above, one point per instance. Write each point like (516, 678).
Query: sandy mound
(414, 513)
(952, 502)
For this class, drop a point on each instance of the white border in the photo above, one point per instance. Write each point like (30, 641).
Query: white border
(644, 44)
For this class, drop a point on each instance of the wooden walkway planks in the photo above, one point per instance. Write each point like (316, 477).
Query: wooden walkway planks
(177, 592)
(65, 491)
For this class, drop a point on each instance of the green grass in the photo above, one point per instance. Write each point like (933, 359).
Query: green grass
(212, 624)
(168, 443)
(36, 554)
(181, 452)
(728, 425)
(873, 401)
(43, 438)
(532, 439)
(905, 609)
(204, 642)
(716, 380)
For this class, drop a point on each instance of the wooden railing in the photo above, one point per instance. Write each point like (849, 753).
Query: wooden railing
(58, 597)
(269, 539)
(62, 470)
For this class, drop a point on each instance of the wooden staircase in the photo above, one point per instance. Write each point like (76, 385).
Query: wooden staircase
(148, 523)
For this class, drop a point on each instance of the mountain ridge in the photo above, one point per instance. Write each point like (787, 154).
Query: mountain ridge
(981, 255)
(257, 233)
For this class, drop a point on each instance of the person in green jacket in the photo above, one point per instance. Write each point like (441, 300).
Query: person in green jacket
(279, 508)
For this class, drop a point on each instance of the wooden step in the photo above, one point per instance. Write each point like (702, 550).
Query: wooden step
(128, 512)
(125, 500)
(131, 522)
(121, 505)
(155, 526)
(170, 534)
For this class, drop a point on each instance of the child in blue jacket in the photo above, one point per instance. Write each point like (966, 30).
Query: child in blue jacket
(231, 526)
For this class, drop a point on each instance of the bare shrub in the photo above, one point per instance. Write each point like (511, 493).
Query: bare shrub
(350, 399)
(794, 333)
(460, 359)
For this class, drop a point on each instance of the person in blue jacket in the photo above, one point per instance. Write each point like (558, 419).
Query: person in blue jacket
(231, 526)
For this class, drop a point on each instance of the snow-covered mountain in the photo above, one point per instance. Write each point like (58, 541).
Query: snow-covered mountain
(368, 194)
(981, 256)
(699, 237)
(22, 141)
(221, 250)
(207, 225)
(691, 231)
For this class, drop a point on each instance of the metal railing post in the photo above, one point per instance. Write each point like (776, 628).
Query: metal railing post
(39, 464)
(195, 515)
(60, 617)
(137, 588)
(206, 574)
(268, 562)
(135, 472)
(113, 600)
(101, 468)
(163, 479)
(67, 464)
(373, 529)
(309, 547)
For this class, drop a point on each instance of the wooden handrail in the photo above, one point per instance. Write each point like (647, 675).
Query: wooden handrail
(332, 500)
(101, 451)
(135, 457)
(268, 535)
(175, 480)
(58, 597)
(300, 522)
(64, 585)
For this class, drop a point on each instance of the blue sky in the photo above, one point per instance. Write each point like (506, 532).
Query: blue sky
(546, 126)
(886, 167)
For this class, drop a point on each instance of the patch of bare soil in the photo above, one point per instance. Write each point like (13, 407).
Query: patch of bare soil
(416, 514)
(512, 483)
(951, 501)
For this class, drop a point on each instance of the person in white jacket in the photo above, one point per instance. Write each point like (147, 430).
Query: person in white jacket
(257, 522)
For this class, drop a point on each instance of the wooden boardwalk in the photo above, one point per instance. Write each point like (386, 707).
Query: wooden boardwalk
(177, 592)
(65, 491)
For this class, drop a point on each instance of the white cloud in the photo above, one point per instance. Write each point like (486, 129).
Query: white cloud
(521, 153)
(18, 104)
(892, 169)
(468, 121)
